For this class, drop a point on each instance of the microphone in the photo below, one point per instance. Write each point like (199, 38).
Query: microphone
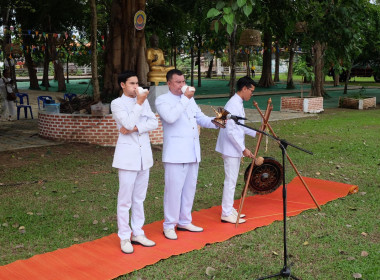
(235, 118)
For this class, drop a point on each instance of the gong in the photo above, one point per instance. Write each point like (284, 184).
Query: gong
(265, 178)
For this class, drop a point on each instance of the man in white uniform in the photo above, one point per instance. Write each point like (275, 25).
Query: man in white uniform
(231, 145)
(180, 116)
(133, 157)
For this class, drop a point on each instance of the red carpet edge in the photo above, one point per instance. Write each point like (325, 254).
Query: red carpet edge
(102, 258)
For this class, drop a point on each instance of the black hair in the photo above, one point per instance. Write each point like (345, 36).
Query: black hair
(245, 82)
(172, 72)
(124, 76)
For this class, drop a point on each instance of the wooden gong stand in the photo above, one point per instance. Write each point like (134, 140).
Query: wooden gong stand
(264, 125)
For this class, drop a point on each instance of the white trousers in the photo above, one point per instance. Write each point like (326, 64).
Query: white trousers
(132, 191)
(231, 173)
(180, 186)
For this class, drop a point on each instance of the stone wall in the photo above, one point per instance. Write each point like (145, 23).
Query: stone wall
(82, 128)
(304, 104)
(354, 103)
(367, 103)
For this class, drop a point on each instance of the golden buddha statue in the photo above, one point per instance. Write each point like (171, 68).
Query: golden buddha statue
(156, 61)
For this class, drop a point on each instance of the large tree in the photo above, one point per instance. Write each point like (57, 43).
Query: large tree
(174, 31)
(198, 30)
(342, 37)
(50, 18)
(231, 14)
(125, 47)
(94, 50)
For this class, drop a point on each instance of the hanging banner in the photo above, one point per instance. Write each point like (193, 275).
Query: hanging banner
(140, 20)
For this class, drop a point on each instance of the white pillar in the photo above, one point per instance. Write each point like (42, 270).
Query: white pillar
(218, 67)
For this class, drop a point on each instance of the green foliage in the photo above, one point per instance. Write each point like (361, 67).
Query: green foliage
(229, 13)
(301, 68)
(183, 64)
(346, 24)
(359, 95)
(371, 37)
(213, 13)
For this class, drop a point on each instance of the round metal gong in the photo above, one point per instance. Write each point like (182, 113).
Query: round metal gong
(265, 178)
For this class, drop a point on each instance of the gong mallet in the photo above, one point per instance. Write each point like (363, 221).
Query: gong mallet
(263, 126)
(289, 159)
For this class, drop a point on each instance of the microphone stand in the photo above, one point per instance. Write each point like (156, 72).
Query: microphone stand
(283, 144)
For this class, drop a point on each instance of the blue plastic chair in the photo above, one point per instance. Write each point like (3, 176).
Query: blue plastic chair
(23, 104)
(69, 96)
(43, 99)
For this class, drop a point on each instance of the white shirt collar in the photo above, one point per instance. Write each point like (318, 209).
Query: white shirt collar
(239, 98)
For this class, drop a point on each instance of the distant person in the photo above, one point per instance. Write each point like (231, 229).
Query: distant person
(180, 117)
(133, 157)
(231, 145)
(7, 103)
(253, 68)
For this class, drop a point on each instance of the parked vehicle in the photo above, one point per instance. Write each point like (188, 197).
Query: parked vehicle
(359, 70)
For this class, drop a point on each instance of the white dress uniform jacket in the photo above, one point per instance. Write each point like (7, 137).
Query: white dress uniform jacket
(133, 150)
(180, 116)
(231, 139)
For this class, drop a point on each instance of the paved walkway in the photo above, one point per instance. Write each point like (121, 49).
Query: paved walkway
(21, 134)
(24, 132)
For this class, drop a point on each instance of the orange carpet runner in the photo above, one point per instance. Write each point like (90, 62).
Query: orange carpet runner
(102, 258)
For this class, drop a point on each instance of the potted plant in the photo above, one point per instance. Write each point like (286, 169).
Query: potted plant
(357, 100)
(309, 104)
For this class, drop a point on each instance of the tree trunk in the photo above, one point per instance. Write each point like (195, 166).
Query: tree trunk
(266, 76)
(33, 80)
(192, 66)
(67, 68)
(248, 70)
(171, 61)
(45, 76)
(277, 65)
(289, 81)
(336, 79)
(318, 63)
(199, 61)
(125, 46)
(209, 70)
(347, 80)
(232, 57)
(60, 75)
(94, 52)
(175, 58)
(58, 68)
(309, 63)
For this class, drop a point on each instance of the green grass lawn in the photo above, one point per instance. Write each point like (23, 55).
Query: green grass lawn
(53, 197)
(215, 85)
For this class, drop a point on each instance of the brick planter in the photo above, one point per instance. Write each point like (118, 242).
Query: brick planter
(82, 128)
(302, 104)
(355, 103)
